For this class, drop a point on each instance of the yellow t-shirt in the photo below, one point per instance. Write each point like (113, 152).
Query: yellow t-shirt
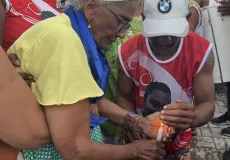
(53, 54)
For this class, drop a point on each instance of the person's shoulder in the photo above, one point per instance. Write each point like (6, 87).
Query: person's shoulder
(196, 45)
(55, 26)
(56, 31)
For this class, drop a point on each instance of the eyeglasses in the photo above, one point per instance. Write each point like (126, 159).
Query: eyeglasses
(125, 25)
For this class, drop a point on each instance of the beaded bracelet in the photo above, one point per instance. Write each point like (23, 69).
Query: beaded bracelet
(130, 121)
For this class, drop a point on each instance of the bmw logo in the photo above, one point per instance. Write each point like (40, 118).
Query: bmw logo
(164, 6)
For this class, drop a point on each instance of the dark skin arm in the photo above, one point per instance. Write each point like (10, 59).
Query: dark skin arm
(193, 19)
(204, 3)
(204, 93)
(70, 131)
(202, 113)
(2, 19)
(125, 90)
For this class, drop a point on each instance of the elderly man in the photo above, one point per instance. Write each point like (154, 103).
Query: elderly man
(167, 52)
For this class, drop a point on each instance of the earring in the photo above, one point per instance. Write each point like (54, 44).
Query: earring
(89, 26)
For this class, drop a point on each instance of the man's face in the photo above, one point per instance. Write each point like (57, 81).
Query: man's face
(155, 101)
(164, 44)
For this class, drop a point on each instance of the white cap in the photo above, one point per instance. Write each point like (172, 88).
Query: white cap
(113, 0)
(165, 18)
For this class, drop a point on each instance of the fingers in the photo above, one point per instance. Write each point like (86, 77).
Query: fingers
(224, 2)
(177, 119)
(169, 132)
(150, 149)
(177, 113)
(172, 130)
(136, 136)
(178, 125)
(224, 8)
(159, 144)
(224, 11)
(150, 157)
(14, 59)
(26, 76)
(179, 105)
(130, 137)
(143, 136)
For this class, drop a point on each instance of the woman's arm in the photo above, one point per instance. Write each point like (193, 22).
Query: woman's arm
(2, 19)
(148, 125)
(70, 130)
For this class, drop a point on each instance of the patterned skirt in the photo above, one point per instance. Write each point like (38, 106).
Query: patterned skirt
(49, 151)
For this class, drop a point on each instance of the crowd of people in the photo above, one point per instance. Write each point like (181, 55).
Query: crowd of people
(99, 79)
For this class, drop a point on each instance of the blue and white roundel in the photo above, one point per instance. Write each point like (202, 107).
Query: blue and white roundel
(164, 6)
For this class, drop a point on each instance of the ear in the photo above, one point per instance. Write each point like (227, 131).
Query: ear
(89, 9)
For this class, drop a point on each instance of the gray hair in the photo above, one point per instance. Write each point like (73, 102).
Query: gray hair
(78, 4)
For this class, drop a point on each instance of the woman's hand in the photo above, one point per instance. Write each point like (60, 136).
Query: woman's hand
(16, 63)
(150, 125)
(149, 150)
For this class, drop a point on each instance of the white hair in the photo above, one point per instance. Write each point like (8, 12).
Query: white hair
(78, 4)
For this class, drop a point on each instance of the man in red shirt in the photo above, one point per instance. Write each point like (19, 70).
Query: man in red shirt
(167, 52)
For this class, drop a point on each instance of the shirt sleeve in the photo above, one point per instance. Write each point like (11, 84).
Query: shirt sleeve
(59, 64)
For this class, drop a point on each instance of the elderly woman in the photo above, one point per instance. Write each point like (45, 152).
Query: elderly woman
(64, 56)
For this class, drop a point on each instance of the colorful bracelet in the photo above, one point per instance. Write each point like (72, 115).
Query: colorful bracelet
(130, 120)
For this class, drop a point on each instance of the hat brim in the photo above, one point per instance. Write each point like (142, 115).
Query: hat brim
(178, 27)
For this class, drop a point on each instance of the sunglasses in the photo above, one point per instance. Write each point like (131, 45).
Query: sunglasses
(125, 25)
